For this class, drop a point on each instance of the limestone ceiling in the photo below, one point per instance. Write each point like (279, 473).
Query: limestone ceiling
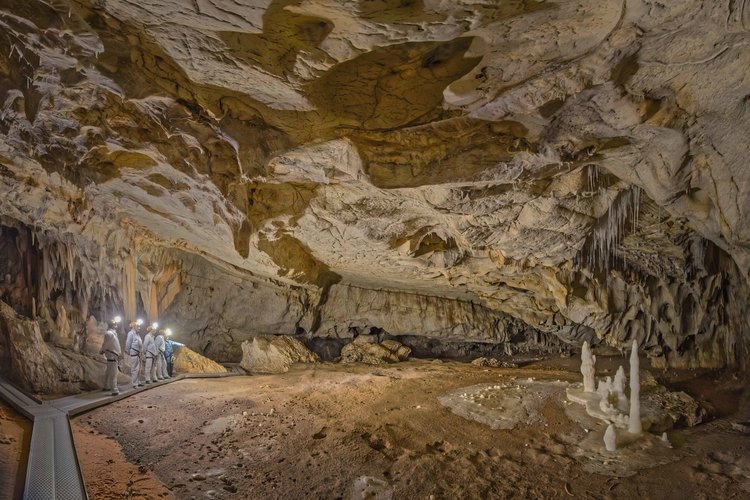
(459, 148)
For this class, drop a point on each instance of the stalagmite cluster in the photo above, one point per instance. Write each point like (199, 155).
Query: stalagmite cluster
(609, 401)
(617, 409)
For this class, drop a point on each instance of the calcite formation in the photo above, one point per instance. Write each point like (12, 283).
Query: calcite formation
(188, 361)
(274, 354)
(460, 171)
(387, 351)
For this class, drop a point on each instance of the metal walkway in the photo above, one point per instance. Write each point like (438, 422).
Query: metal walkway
(53, 472)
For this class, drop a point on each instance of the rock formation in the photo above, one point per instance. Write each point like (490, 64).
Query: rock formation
(588, 368)
(274, 354)
(610, 438)
(188, 361)
(493, 363)
(634, 420)
(662, 409)
(41, 368)
(387, 351)
(458, 171)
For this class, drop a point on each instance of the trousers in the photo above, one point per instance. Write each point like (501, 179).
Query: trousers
(135, 369)
(110, 376)
(150, 368)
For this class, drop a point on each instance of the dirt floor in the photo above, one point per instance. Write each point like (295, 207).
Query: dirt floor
(15, 435)
(338, 431)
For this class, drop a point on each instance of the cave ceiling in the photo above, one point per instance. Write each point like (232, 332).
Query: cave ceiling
(493, 152)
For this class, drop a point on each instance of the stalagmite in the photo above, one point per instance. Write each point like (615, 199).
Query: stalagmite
(587, 368)
(618, 388)
(634, 423)
(610, 438)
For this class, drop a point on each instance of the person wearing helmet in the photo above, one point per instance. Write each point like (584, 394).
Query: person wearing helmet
(169, 353)
(161, 369)
(134, 327)
(149, 347)
(134, 346)
(112, 353)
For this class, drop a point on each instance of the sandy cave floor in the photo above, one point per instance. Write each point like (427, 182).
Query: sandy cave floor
(333, 431)
(15, 434)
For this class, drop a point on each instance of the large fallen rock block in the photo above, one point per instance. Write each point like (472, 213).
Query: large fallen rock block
(274, 354)
(188, 361)
(388, 351)
(40, 368)
(666, 409)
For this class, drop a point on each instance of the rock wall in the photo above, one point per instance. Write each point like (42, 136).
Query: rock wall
(41, 368)
(217, 309)
(349, 311)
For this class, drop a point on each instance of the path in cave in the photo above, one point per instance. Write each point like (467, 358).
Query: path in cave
(52, 469)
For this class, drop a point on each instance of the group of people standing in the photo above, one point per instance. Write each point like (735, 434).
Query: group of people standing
(149, 358)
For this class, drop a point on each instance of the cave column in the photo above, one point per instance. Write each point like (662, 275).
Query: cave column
(129, 272)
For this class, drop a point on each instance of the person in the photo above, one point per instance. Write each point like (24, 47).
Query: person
(134, 346)
(169, 353)
(149, 347)
(161, 362)
(112, 352)
(129, 341)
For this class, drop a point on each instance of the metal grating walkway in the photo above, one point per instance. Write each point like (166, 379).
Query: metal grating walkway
(53, 472)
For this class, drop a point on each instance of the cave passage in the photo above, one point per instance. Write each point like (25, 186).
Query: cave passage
(387, 248)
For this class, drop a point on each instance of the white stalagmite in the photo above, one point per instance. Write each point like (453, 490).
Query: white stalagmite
(610, 438)
(587, 368)
(634, 422)
(619, 389)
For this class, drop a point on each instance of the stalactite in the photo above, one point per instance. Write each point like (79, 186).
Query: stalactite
(129, 288)
(171, 289)
(608, 234)
(153, 302)
(163, 279)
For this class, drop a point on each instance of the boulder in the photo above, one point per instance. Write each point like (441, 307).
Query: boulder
(188, 361)
(388, 351)
(493, 363)
(665, 410)
(274, 354)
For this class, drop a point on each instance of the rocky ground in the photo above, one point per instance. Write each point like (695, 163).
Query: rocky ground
(335, 431)
(15, 433)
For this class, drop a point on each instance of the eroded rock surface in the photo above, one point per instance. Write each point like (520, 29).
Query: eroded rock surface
(274, 354)
(40, 368)
(451, 170)
(188, 361)
(387, 351)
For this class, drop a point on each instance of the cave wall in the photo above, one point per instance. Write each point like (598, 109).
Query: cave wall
(218, 308)
(348, 311)
(679, 322)
(15, 270)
